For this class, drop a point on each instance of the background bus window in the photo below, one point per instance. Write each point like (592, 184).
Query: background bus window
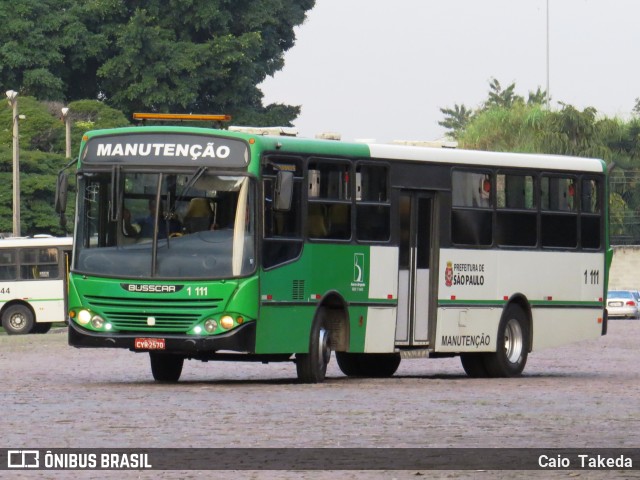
(471, 215)
(8, 266)
(590, 227)
(39, 263)
(516, 219)
(559, 222)
(373, 211)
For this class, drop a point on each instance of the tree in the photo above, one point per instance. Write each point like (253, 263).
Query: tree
(42, 147)
(205, 56)
(502, 98)
(456, 119)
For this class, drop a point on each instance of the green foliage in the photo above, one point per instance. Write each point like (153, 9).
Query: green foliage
(189, 56)
(42, 155)
(456, 119)
(181, 56)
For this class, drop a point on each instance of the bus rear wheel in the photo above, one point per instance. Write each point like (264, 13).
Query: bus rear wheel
(312, 367)
(473, 364)
(375, 365)
(17, 320)
(512, 345)
(166, 367)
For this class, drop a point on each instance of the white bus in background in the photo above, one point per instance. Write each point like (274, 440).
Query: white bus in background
(33, 282)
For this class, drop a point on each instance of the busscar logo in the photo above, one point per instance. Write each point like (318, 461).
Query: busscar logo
(150, 288)
(23, 459)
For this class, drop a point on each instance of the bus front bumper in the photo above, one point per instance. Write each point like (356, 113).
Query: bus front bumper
(240, 339)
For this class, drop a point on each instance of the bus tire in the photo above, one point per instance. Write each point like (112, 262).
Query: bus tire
(41, 327)
(473, 364)
(17, 320)
(512, 345)
(349, 364)
(374, 365)
(312, 367)
(166, 367)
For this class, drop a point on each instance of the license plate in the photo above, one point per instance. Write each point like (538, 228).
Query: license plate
(149, 344)
(615, 304)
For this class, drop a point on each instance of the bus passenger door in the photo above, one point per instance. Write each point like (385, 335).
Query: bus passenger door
(414, 272)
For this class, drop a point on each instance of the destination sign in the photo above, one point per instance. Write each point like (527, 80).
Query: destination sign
(167, 149)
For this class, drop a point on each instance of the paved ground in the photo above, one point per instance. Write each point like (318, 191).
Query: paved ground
(583, 395)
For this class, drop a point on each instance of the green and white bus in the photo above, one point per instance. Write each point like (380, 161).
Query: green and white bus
(33, 272)
(206, 244)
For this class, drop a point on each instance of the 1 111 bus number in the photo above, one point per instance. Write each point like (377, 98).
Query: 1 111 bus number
(198, 291)
(592, 277)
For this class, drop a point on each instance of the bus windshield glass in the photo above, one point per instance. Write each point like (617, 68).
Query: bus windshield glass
(165, 225)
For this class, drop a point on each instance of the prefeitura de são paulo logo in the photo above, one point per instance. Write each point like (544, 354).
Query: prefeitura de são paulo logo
(448, 274)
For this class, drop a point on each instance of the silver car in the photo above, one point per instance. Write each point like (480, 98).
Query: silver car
(622, 304)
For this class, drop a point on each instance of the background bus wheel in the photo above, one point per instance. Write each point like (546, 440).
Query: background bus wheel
(41, 327)
(375, 365)
(512, 345)
(17, 320)
(312, 367)
(473, 364)
(165, 367)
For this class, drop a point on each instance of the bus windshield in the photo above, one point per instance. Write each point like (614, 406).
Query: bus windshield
(165, 225)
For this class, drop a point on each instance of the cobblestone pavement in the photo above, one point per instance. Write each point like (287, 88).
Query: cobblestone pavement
(582, 395)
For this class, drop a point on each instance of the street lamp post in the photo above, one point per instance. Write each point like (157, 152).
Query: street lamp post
(548, 97)
(67, 128)
(12, 96)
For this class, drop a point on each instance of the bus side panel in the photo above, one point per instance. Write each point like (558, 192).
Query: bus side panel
(48, 301)
(364, 277)
(467, 329)
(559, 326)
(565, 291)
(381, 330)
(284, 328)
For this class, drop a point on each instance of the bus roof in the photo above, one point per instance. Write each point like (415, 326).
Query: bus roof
(480, 157)
(288, 144)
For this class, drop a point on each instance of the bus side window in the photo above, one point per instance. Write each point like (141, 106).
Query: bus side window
(282, 229)
(559, 220)
(471, 214)
(373, 210)
(590, 227)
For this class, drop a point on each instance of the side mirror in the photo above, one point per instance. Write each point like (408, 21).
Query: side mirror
(283, 192)
(62, 185)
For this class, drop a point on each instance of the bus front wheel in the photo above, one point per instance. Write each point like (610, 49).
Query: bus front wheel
(312, 367)
(166, 367)
(17, 320)
(512, 345)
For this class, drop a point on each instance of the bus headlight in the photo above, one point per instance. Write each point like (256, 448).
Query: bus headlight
(210, 325)
(97, 322)
(226, 322)
(84, 317)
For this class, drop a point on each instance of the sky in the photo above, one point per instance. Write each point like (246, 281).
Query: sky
(381, 70)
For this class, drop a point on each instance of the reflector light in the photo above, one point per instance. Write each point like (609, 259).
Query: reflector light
(181, 116)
